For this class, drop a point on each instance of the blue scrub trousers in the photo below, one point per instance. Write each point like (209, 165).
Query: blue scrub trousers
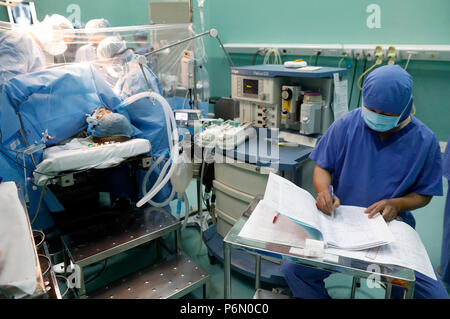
(445, 253)
(308, 283)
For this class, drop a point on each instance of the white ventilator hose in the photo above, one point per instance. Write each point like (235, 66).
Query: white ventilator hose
(172, 135)
(173, 144)
(160, 180)
(145, 181)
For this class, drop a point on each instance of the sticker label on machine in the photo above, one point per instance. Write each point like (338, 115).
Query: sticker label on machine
(340, 104)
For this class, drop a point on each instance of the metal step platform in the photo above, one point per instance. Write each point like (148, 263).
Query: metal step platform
(265, 294)
(242, 262)
(173, 277)
(113, 236)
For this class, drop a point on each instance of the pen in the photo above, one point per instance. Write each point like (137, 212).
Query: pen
(287, 144)
(275, 218)
(331, 192)
(281, 142)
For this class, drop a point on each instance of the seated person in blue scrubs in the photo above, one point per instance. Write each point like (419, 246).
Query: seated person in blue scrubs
(377, 156)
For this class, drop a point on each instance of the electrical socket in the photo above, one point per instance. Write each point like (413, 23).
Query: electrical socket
(358, 54)
(368, 55)
(347, 53)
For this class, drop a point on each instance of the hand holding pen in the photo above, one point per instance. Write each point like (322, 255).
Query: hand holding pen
(327, 201)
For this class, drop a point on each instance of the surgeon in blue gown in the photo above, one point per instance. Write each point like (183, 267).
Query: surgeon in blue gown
(444, 268)
(148, 117)
(88, 52)
(377, 156)
(23, 50)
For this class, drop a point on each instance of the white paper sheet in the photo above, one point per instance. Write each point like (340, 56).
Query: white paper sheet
(284, 231)
(18, 261)
(290, 200)
(348, 227)
(407, 251)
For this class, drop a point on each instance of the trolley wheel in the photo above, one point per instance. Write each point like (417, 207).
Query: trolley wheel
(212, 258)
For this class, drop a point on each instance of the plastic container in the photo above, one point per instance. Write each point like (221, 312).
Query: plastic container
(231, 201)
(224, 222)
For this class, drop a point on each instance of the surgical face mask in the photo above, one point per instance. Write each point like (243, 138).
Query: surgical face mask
(380, 122)
(116, 71)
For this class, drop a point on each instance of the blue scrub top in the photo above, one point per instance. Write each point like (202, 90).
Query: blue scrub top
(366, 170)
(446, 162)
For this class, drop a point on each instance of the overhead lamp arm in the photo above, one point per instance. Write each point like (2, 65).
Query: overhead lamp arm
(212, 33)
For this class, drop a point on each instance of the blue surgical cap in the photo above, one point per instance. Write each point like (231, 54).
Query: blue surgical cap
(388, 89)
(112, 124)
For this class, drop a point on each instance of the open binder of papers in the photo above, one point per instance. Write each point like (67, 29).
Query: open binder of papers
(348, 232)
(347, 228)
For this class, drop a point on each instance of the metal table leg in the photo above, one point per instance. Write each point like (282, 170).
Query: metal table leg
(82, 289)
(258, 272)
(178, 241)
(199, 198)
(227, 270)
(355, 283)
(388, 291)
(206, 290)
(409, 291)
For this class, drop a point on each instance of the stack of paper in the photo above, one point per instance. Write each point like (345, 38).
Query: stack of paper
(407, 251)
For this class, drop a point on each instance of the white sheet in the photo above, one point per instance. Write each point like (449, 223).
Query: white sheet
(77, 155)
(406, 251)
(18, 261)
(284, 231)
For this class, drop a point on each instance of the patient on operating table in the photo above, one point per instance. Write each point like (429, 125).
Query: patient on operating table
(106, 126)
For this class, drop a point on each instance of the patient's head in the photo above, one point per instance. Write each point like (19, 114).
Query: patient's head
(100, 111)
(110, 126)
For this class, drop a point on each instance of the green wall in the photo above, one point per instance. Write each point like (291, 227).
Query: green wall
(118, 12)
(296, 21)
(331, 21)
(339, 21)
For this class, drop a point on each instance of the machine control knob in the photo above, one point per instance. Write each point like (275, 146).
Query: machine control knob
(286, 94)
(262, 96)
